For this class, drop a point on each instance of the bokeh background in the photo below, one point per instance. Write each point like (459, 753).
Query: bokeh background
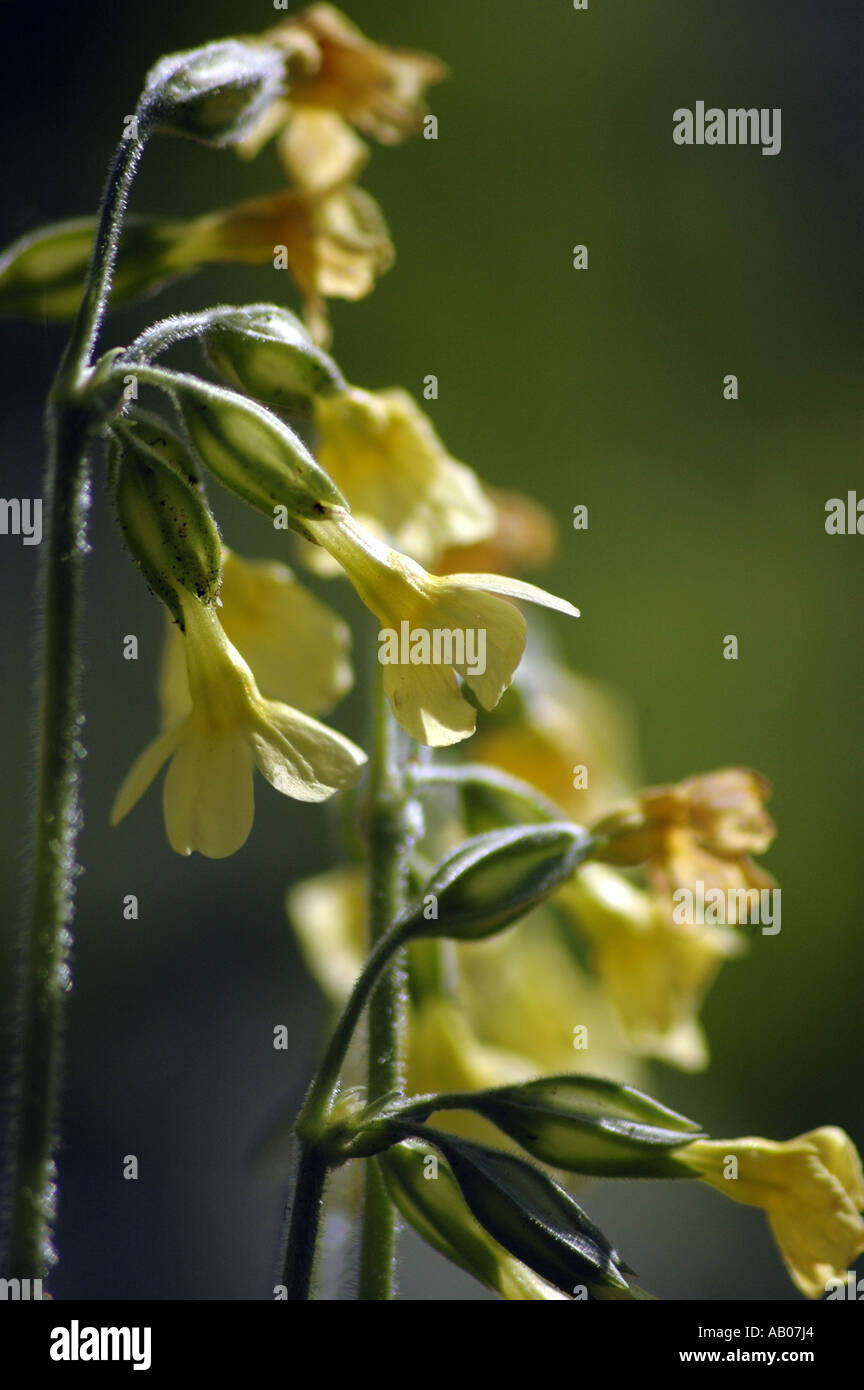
(601, 387)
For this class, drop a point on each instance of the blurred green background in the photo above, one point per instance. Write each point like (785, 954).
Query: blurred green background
(601, 387)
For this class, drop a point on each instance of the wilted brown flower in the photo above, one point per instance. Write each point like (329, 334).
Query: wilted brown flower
(701, 830)
(335, 244)
(380, 90)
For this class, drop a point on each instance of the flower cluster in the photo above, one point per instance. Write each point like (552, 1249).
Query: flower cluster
(252, 658)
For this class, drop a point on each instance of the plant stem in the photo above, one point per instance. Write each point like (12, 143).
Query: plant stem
(388, 838)
(85, 330)
(312, 1164)
(27, 1249)
(45, 978)
(326, 1082)
(388, 841)
(305, 1220)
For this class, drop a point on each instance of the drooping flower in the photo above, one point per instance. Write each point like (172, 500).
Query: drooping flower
(378, 89)
(296, 647)
(338, 78)
(811, 1188)
(654, 972)
(334, 242)
(434, 630)
(208, 797)
(702, 830)
(384, 455)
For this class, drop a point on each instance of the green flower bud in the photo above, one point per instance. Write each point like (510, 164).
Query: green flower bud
(267, 353)
(422, 1187)
(253, 453)
(214, 94)
(42, 274)
(155, 437)
(589, 1125)
(163, 516)
(495, 878)
(534, 1218)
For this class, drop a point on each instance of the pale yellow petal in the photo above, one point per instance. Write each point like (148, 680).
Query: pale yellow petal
(427, 702)
(208, 798)
(296, 647)
(175, 702)
(384, 454)
(802, 1187)
(300, 757)
(142, 773)
(503, 628)
(515, 588)
(840, 1156)
(319, 150)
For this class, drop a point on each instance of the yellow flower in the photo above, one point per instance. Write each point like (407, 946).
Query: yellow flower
(434, 629)
(378, 89)
(655, 973)
(335, 243)
(295, 645)
(383, 454)
(208, 797)
(703, 828)
(811, 1189)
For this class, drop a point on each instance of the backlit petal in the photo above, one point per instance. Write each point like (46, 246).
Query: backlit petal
(300, 757)
(142, 773)
(208, 798)
(427, 702)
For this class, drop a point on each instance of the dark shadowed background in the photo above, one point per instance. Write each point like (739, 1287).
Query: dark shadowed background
(601, 387)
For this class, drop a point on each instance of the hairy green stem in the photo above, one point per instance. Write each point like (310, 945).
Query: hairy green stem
(57, 819)
(324, 1087)
(26, 1243)
(380, 986)
(305, 1220)
(306, 1207)
(388, 841)
(85, 330)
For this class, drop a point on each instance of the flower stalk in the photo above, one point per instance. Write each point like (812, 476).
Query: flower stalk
(45, 975)
(56, 822)
(388, 840)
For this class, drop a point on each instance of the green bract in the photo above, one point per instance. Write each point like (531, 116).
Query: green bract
(251, 451)
(265, 351)
(42, 274)
(163, 516)
(535, 1219)
(587, 1125)
(431, 1201)
(213, 94)
(495, 878)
